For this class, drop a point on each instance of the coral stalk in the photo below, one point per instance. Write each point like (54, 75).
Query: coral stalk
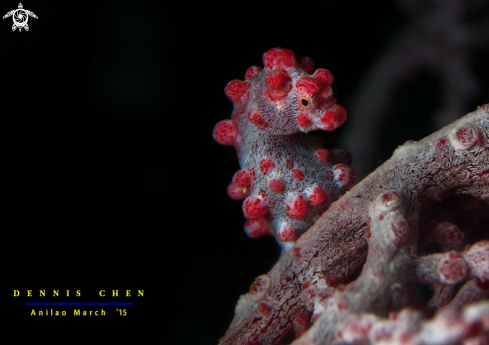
(430, 198)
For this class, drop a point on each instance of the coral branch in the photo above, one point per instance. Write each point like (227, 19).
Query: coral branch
(409, 221)
(408, 327)
(379, 287)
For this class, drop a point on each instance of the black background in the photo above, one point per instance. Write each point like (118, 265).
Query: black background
(111, 178)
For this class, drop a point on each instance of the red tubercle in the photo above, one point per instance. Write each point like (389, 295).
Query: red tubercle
(304, 120)
(324, 76)
(296, 206)
(254, 207)
(289, 164)
(237, 192)
(277, 95)
(464, 137)
(333, 118)
(440, 145)
(453, 268)
(260, 286)
(276, 79)
(237, 90)
(243, 178)
(307, 85)
(298, 174)
(265, 309)
(225, 132)
(256, 118)
(344, 175)
(447, 233)
(266, 166)
(327, 92)
(256, 228)
(276, 185)
(279, 58)
(306, 64)
(317, 196)
(389, 196)
(286, 233)
(252, 71)
(322, 155)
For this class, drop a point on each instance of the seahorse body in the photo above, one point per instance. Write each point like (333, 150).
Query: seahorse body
(287, 179)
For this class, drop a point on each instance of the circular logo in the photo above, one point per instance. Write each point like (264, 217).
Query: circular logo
(20, 17)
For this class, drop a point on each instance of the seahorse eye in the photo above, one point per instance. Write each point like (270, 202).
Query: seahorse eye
(307, 101)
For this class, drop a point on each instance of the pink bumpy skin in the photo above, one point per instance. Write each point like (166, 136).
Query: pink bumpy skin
(287, 179)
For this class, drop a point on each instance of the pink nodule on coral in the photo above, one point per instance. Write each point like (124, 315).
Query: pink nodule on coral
(257, 228)
(286, 177)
